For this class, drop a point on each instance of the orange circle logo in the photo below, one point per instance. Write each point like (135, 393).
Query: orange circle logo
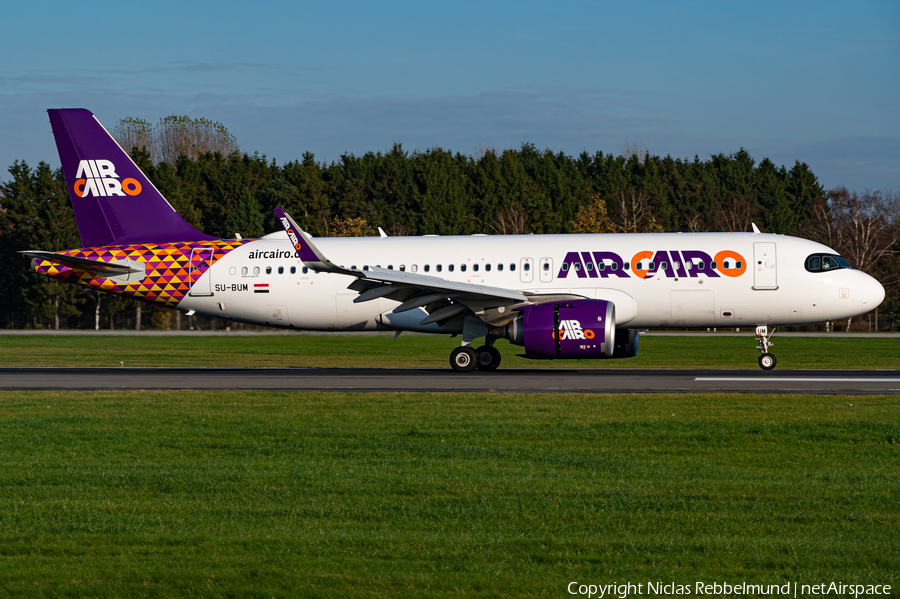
(131, 186)
(735, 271)
(588, 334)
(636, 259)
(79, 187)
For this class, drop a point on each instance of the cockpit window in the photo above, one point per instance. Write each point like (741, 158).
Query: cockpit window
(825, 262)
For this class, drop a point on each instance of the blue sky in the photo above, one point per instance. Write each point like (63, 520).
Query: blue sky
(817, 82)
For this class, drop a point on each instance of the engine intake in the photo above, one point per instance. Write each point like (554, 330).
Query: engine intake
(578, 329)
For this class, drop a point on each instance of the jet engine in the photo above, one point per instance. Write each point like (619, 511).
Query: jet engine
(578, 329)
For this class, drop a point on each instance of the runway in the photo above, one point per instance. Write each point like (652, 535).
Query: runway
(369, 380)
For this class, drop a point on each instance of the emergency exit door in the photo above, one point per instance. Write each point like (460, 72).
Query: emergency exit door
(765, 272)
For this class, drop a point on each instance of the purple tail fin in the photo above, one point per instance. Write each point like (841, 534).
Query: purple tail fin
(114, 202)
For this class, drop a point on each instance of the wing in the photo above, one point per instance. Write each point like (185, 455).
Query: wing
(442, 299)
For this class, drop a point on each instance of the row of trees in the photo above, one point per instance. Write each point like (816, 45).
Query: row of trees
(196, 164)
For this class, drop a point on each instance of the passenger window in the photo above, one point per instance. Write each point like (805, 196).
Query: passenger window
(527, 266)
(601, 265)
(390, 267)
(293, 270)
(664, 265)
(450, 267)
(627, 265)
(612, 266)
(462, 268)
(268, 270)
(440, 267)
(577, 266)
(232, 270)
(737, 264)
(413, 268)
(402, 268)
(427, 267)
(500, 266)
(244, 270)
(712, 265)
(475, 267)
(487, 267)
(305, 270)
(256, 270)
(281, 270)
(589, 266)
(652, 265)
(725, 264)
(512, 266)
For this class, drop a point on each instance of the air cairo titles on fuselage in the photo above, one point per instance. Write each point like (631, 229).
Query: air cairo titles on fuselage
(647, 264)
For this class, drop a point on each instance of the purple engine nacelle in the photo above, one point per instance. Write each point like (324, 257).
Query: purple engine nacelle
(578, 329)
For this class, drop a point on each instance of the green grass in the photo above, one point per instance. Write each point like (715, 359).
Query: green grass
(250, 494)
(421, 351)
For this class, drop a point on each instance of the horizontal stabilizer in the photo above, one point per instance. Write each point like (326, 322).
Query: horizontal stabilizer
(105, 269)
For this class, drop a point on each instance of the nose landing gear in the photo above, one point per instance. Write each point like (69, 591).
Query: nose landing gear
(766, 361)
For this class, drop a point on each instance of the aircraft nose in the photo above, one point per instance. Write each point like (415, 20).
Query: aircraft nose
(872, 293)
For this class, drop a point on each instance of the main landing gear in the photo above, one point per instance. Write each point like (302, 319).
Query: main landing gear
(766, 361)
(466, 359)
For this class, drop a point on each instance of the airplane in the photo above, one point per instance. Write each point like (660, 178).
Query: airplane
(557, 296)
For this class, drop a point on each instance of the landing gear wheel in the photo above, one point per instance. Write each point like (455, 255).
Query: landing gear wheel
(463, 359)
(767, 361)
(487, 358)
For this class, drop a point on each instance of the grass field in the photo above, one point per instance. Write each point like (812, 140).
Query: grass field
(421, 351)
(248, 494)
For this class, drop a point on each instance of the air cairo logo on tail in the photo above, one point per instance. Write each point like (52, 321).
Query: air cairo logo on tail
(99, 178)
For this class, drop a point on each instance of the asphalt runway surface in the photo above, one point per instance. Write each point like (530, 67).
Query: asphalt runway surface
(367, 380)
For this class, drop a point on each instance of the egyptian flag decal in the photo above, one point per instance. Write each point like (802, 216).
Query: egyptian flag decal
(260, 288)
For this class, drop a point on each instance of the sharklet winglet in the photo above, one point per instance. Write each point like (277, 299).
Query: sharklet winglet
(311, 256)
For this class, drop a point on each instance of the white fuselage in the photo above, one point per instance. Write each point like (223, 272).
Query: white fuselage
(757, 279)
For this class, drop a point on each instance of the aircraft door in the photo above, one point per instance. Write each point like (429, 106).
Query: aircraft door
(201, 261)
(764, 266)
(526, 270)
